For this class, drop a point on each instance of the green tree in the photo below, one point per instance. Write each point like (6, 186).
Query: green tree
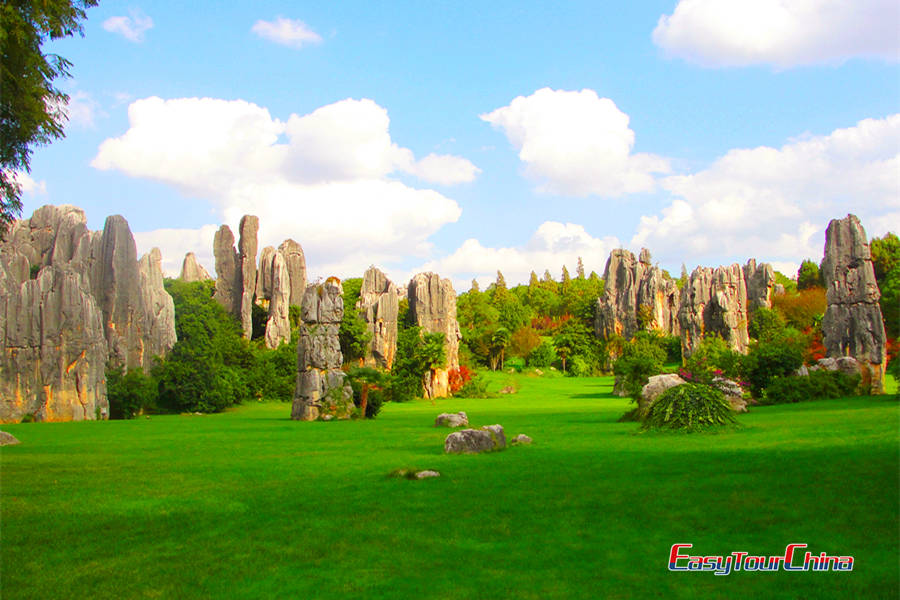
(886, 259)
(32, 109)
(353, 333)
(808, 275)
(499, 342)
(579, 270)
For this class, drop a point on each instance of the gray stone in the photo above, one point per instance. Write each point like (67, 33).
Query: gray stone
(247, 245)
(733, 393)
(191, 270)
(228, 289)
(278, 326)
(427, 474)
(845, 364)
(296, 266)
(853, 325)
(322, 388)
(803, 371)
(521, 439)
(432, 302)
(497, 435)
(264, 275)
(451, 420)
(469, 441)
(379, 305)
(779, 290)
(53, 352)
(8, 439)
(714, 301)
(159, 308)
(636, 296)
(654, 388)
(760, 283)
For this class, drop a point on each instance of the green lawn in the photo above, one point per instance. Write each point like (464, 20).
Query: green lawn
(249, 504)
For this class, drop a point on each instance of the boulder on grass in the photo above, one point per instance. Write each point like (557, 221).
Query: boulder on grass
(451, 420)
(520, 439)
(845, 364)
(474, 441)
(656, 385)
(7, 439)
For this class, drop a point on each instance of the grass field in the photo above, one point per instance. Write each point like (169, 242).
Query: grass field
(249, 504)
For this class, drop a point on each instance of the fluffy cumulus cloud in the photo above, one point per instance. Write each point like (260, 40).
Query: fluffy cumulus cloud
(576, 143)
(784, 33)
(287, 32)
(553, 245)
(131, 28)
(322, 179)
(28, 184)
(774, 203)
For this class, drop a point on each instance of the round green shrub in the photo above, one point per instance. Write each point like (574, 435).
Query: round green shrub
(818, 385)
(689, 407)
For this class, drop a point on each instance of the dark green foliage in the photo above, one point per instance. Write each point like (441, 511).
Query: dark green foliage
(789, 284)
(378, 392)
(689, 407)
(819, 385)
(641, 358)
(474, 388)
(766, 324)
(274, 373)
(515, 363)
(542, 356)
(210, 367)
(33, 271)
(258, 317)
(779, 357)
(808, 275)
(294, 316)
(129, 393)
(417, 353)
(354, 335)
(573, 339)
(886, 259)
(712, 358)
(31, 108)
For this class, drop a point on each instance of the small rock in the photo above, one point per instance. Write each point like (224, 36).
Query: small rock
(7, 439)
(473, 441)
(656, 385)
(328, 417)
(427, 473)
(508, 390)
(497, 435)
(520, 439)
(538, 372)
(738, 404)
(451, 420)
(803, 371)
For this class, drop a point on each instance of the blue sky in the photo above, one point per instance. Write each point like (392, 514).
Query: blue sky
(467, 137)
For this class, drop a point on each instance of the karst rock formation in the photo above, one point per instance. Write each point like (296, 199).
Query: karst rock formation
(322, 390)
(71, 300)
(378, 305)
(636, 296)
(236, 270)
(714, 301)
(432, 302)
(853, 324)
(191, 270)
(279, 280)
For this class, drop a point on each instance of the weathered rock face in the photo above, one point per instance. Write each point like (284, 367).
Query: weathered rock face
(296, 268)
(853, 324)
(247, 246)
(159, 308)
(136, 315)
(432, 302)
(227, 270)
(378, 305)
(53, 351)
(636, 296)
(7, 439)
(278, 326)
(236, 271)
(760, 282)
(322, 389)
(191, 270)
(264, 275)
(714, 301)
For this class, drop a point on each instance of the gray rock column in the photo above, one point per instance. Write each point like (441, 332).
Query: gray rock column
(379, 305)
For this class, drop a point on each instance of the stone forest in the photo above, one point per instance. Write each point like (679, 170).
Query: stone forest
(76, 303)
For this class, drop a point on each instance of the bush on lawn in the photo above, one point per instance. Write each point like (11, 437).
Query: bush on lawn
(689, 407)
(819, 385)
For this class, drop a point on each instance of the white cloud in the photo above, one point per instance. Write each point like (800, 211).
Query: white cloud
(28, 183)
(784, 33)
(774, 204)
(287, 32)
(552, 246)
(444, 169)
(175, 243)
(131, 28)
(82, 109)
(321, 179)
(576, 143)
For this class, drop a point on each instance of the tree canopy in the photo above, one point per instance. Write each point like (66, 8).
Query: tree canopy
(32, 109)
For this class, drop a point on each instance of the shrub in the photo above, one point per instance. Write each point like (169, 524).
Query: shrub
(819, 385)
(274, 375)
(803, 309)
(712, 358)
(766, 324)
(688, 407)
(475, 388)
(457, 378)
(523, 342)
(768, 360)
(579, 367)
(641, 358)
(515, 363)
(543, 356)
(377, 389)
(129, 393)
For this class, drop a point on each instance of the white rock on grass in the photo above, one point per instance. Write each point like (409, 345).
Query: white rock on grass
(451, 420)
